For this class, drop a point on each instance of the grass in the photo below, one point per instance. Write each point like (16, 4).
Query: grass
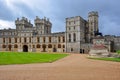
(107, 59)
(28, 57)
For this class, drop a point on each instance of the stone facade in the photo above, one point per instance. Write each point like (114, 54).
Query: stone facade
(38, 38)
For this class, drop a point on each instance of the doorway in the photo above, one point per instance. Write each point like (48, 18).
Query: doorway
(25, 48)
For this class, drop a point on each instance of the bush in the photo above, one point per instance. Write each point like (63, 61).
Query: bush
(118, 51)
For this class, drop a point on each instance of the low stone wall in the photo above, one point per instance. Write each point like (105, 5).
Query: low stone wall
(115, 55)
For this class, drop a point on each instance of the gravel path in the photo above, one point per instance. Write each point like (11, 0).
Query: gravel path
(73, 67)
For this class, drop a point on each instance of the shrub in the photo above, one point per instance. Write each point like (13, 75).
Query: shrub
(118, 51)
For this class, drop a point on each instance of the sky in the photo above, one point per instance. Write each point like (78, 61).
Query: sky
(58, 10)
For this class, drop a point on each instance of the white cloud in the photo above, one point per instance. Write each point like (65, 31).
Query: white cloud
(6, 24)
(35, 5)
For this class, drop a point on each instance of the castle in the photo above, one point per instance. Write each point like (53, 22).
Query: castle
(76, 39)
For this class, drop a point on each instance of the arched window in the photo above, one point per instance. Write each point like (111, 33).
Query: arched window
(69, 37)
(59, 45)
(33, 46)
(43, 46)
(49, 46)
(74, 37)
(15, 46)
(3, 46)
(38, 46)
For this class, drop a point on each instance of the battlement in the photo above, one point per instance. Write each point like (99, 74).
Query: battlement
(23, 20)
(42, 21)
(93, 13)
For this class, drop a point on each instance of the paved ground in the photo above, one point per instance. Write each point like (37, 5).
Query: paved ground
(73, 67)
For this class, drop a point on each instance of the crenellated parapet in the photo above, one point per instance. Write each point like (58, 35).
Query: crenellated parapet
(24, 22)
(42, 21)
(93, 13)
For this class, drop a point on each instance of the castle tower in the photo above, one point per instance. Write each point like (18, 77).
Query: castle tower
(23, 23)
(92, 24)
(75, 33)
(43, 26)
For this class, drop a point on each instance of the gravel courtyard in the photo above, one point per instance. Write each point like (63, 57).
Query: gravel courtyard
(72, 67)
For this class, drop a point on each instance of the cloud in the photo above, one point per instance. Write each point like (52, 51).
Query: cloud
(58, 10)
(6, 24)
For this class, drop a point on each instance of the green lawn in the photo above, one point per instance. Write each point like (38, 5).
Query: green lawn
(28, 57)
(107, 59)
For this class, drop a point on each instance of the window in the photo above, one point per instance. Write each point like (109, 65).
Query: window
(38, 46)
(59, 46)
(33, 46)
(74, 37)
(69, 37)
(25, 40)
(69, 23)
(3, 46)
(74, 22)
(63, 39)
(38, 40)
(30, 39)
(15, 40)
(49, 39)
(44, 39)
(49, 46)
(71, 49)
(69, 28)
(20, 40)
(9, 40)
(74, 27)
(15, 46)
(3, 40)
(58, 39)
(63, 46)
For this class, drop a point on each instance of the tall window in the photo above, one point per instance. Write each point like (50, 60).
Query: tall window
(3, 40)
(15, 40)
(44, 39)
(30, 39)
(20, 40)
(38, 40)
(74, 37)
(3, 46)
(63, 46)
(63, 39)
(9, 40)
(49, 39)
(58, 39)
(25, 40)
(59, 45)
(69, 37)
(15, 46)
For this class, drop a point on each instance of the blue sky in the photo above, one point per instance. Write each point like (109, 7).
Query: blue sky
(58, 10)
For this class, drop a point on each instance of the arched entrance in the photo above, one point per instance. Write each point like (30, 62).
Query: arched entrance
(44, 47)
(25, 48)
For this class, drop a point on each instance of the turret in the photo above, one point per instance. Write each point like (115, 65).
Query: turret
(43, 26)
(22, 23)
